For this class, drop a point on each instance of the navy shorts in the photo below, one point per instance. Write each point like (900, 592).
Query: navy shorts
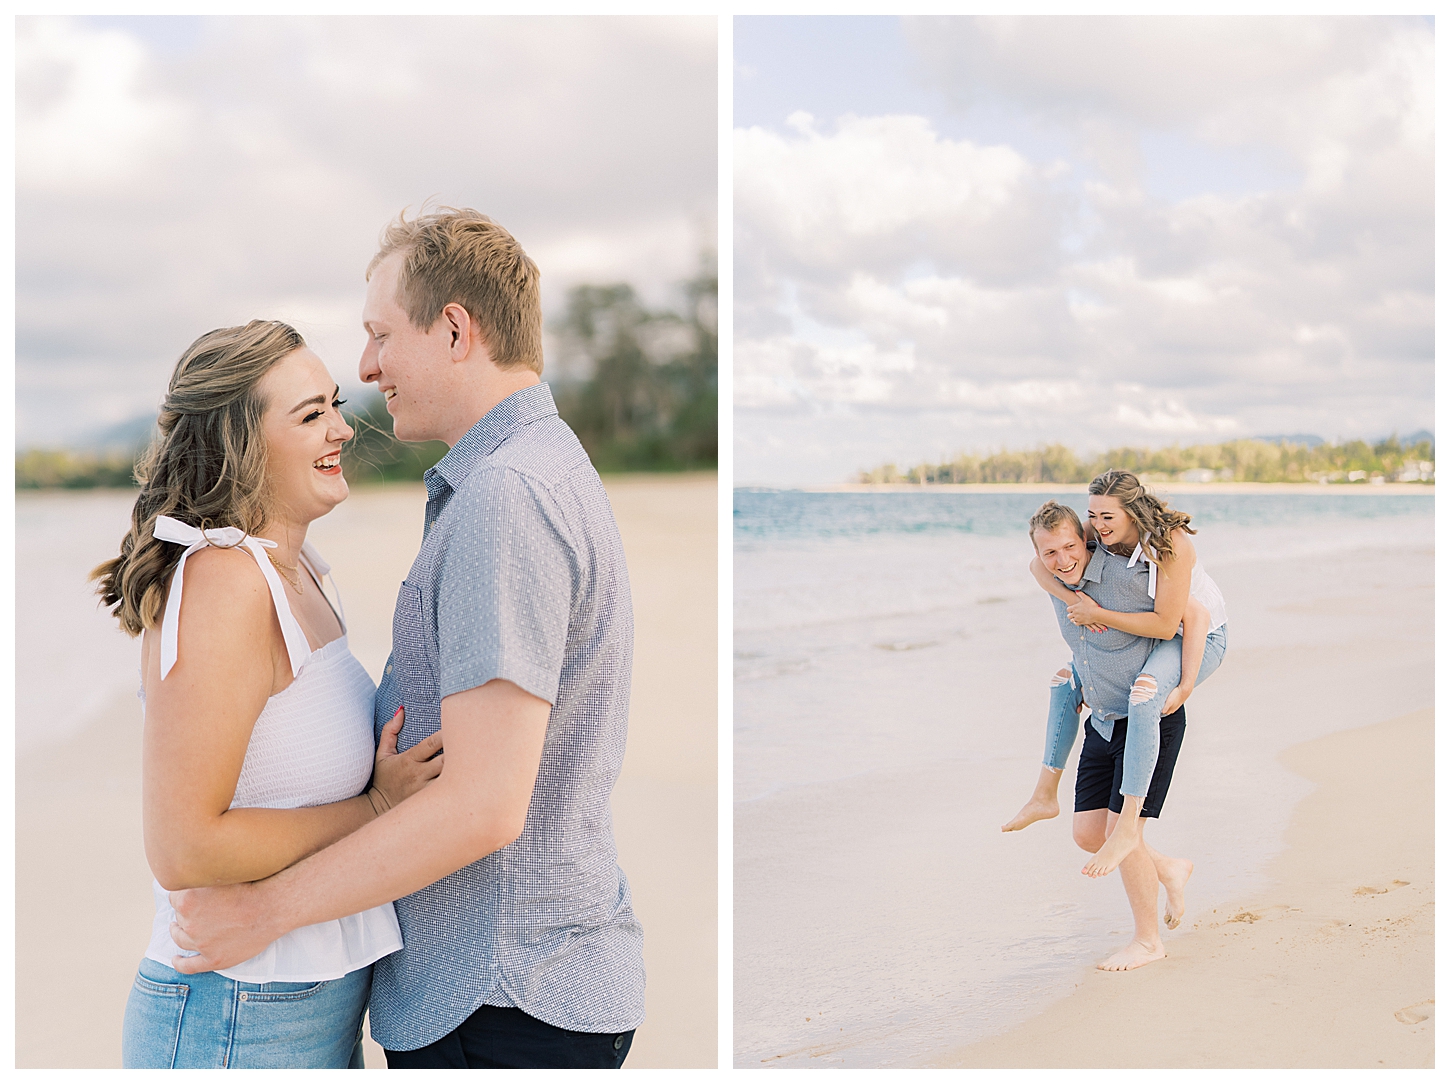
(505, 1038)
(1100, 767)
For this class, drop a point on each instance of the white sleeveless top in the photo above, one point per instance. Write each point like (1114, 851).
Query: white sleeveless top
(1200, 586)
(311, 745)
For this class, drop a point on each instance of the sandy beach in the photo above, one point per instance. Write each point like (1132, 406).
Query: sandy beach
(1163, 489)
(883, 919)
(1332, 966)
(83, 896)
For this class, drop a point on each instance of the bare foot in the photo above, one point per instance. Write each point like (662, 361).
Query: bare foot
(1038, 809)
(1174, 873)
(1134, 954)
(1127, 834)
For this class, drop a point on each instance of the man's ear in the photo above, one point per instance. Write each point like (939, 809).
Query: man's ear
(463, 336)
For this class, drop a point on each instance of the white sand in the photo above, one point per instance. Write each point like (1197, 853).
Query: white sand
(83, 897)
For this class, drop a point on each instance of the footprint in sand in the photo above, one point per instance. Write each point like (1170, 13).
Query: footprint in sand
(1379, 890)
(1416, 1014)
(906, 645)
(1278, 910)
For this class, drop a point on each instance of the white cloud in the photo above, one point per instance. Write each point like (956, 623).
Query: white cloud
(888, 192)
(83, 114)
(161, 192)
(1139, 412)
(1302, 304)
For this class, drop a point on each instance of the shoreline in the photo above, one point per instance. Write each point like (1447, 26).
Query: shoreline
(1400, 489)
(1330, 966)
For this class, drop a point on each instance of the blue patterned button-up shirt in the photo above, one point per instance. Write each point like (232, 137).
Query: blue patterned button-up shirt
(1107, 663)
(520, 576)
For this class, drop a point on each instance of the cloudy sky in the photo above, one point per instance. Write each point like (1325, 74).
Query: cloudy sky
(963, 234)
(176, 174)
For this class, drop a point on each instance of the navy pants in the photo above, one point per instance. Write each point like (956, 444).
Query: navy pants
(506, 1038)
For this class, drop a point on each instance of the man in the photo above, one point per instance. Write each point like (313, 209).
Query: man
(1105, 665)
(513, 634)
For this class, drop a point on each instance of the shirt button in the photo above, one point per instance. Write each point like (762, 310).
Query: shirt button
(618, 1041)
(388, 669)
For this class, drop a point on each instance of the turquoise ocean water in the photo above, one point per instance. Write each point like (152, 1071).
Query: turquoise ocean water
(765, 516)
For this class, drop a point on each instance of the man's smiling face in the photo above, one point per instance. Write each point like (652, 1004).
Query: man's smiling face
(411, 367)
(1063, 551)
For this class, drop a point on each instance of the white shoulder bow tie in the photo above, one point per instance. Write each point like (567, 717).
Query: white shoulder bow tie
(194, 538)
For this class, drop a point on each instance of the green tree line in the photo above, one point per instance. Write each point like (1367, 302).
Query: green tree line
(1235, 460)
(644, 398)
(651, 400)
(47, 468)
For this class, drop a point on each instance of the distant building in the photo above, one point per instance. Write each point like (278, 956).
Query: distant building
(1416, 471)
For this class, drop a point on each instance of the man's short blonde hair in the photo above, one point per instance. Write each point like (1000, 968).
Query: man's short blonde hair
(457, 255)
(1049, 518)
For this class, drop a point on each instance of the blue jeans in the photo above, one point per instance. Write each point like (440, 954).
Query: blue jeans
(208, 1021)
(1140, 753)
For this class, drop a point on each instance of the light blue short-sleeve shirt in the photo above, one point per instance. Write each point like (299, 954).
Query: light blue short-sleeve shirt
(521, 576)
(1108, 662)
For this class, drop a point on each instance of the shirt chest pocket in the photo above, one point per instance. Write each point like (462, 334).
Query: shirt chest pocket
(415, 664)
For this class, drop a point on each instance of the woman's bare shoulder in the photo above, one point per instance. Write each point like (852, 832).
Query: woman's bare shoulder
(226, 627)
(1184, 552)
(227, 583)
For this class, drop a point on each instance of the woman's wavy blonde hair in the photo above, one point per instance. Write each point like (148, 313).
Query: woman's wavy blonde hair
(1155, 521)
(206, 465)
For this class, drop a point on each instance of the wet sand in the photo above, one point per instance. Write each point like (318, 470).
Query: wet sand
(1331, 966)
(83, 891)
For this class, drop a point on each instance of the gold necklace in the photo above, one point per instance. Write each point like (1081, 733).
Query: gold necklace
(295, 582)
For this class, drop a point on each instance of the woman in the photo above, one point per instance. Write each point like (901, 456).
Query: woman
(258, 739)
(1188, 616)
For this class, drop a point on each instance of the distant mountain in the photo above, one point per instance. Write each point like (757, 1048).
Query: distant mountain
(132, 433)
(127, 437)
(1308, 440)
